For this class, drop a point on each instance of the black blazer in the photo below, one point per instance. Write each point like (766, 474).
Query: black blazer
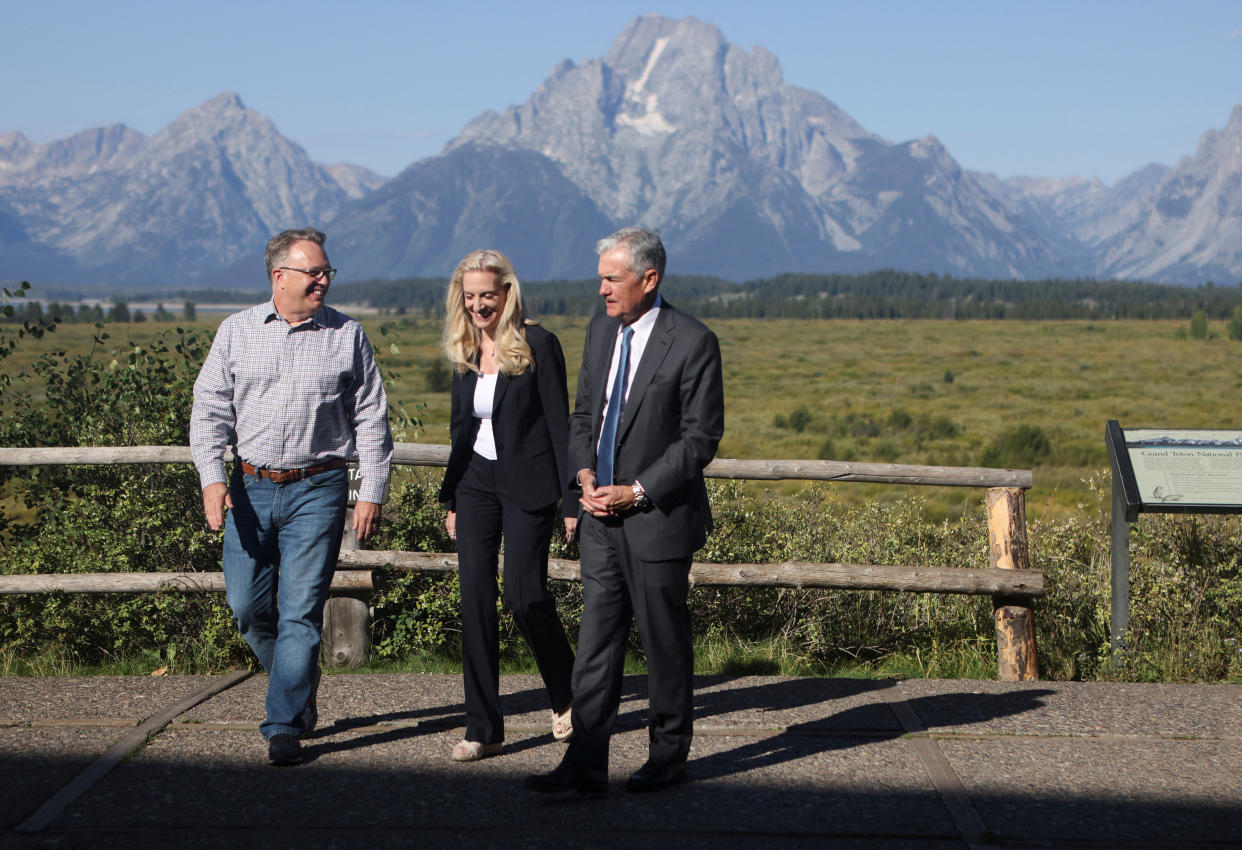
(530, 421)
(669, 430)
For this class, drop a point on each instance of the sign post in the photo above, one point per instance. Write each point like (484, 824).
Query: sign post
(1170, 471)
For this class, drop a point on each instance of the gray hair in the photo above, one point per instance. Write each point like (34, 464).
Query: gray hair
(646, 249)
(278, 247)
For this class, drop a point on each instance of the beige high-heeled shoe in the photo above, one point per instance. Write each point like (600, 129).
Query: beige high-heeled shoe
(562, 724)
(474, 750)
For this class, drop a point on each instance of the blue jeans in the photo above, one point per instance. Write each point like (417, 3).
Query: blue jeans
(281, 543)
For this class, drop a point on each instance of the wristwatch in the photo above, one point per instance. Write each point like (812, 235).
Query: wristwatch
(641, 502)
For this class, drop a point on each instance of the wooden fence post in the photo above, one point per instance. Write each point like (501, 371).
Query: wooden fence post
(1015, 621)
(347, 618)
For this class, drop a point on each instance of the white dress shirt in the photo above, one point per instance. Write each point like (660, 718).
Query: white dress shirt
(484, 403)
(643, 326)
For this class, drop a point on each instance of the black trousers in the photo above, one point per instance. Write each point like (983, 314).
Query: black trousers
(618, 586)
(485, 514)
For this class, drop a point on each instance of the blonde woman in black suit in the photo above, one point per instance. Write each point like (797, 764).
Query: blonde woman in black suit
(507, 470)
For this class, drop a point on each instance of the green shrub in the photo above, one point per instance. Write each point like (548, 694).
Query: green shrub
(1023, 446)
(115, 518)
(935, 428)
(1198, 325)
(1235, 323)
(898, 419)
(414, 610)
(417, 612)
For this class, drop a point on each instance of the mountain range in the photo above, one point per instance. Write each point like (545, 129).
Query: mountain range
(744, 175)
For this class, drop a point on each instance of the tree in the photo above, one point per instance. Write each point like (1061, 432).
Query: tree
(1198, 325)
(189, 313)
(1235, 323)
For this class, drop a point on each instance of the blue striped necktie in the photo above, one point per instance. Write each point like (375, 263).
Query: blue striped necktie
(612, 416)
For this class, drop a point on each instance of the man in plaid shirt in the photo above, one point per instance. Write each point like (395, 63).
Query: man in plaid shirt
(292, 385)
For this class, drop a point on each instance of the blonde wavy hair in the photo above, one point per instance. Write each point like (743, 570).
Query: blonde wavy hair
(462, 340)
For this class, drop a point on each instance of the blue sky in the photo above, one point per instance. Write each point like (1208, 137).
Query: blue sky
(1047, 89)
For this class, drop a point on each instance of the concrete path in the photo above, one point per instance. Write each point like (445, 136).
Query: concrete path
(174, 762)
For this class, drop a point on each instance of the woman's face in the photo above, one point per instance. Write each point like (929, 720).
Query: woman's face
(484, 299)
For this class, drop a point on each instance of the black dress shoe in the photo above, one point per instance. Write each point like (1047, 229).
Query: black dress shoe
(656, 776)
(566, 777)
(284, 750)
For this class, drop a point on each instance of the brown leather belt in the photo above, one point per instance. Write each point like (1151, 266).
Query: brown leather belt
(284, 476)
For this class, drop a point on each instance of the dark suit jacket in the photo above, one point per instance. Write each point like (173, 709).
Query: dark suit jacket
(530, 421)
(670, 426)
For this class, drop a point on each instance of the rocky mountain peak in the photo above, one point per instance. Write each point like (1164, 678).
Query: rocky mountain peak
(204, 192)
(13, 145)
(1189, 223)
(223, 105)
(222, 119)
(93, 151)
(928, 147)
(653, 48)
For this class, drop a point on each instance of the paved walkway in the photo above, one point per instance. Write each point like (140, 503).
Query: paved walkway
(131, 762)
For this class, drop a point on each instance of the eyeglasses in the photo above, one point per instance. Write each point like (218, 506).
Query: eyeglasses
(315, 274)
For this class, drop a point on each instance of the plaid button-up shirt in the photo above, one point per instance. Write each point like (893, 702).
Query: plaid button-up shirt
(291, 397)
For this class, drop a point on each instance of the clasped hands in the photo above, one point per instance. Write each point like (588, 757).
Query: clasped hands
(609, 500)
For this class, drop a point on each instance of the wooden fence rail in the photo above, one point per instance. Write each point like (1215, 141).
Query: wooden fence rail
(1008, 579)
(795, 574)
(427, 454)
(343, 581)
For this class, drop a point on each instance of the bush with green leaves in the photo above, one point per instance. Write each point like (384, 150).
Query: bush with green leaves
(1234, 328)
(418, 612)
(831, 625)
(112, 518)
(1198, 325)
(1017, 448)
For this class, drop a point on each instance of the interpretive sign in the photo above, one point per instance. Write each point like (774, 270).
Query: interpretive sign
(1199, 470)
(1166, 470)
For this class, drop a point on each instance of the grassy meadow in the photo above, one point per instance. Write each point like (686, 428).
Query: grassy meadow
(900, 391)
(857, 383)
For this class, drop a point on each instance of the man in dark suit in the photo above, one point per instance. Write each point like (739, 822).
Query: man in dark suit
(648, 416)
